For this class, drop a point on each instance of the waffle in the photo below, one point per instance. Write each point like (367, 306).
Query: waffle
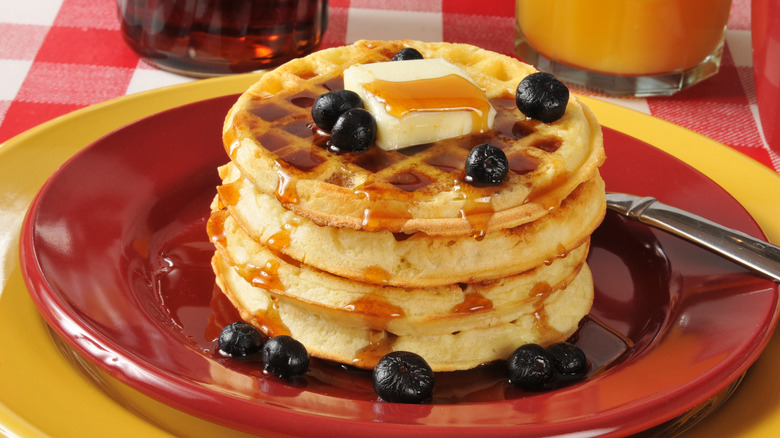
(418, 260)
(269, 135)
(552, 318)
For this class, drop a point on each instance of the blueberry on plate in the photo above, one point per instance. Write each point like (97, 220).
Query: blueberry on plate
(486, 164)
(403, 377)
(531, 368)
(569, 361)
(354, 131)
(285, 357)
(239, 339)
(406, 54)
(329, 106)
(542, 96)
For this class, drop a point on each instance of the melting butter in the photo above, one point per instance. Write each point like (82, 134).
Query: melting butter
(419, 101)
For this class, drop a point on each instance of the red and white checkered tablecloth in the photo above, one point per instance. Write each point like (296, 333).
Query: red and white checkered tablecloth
(60, 55)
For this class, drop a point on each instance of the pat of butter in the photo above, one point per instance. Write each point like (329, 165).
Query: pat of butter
(419, 101)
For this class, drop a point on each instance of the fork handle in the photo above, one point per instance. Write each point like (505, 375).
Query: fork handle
(734, 245)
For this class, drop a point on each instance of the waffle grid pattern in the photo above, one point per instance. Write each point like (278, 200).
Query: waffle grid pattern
(273, 133)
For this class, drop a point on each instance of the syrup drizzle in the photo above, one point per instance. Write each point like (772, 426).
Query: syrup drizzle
(542, 195)
(539, 293)
(548, 144)
(229, 194)
(265, 276)
(377, 274)
(215, 228)
(561, 253)
(380, 343)
(375, 310)
(478, 213)
(374, 219)
(230, 141)
(281, 239)
(286, 192)
(270, 320)
(434, 94)
(473, 302)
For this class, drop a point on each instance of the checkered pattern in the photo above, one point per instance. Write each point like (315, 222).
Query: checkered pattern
(60, 55)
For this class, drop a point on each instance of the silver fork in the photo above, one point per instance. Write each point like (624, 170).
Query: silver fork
(752, 253)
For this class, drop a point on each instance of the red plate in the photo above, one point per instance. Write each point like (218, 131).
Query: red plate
(115, 256)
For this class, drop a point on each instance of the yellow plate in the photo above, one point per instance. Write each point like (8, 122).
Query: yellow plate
(43, 394)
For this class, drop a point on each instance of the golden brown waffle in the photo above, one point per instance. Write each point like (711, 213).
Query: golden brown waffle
(418, 260)
(552, 318)
(270, 136)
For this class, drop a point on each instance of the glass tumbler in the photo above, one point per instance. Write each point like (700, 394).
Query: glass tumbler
(766, 67)
(204, 38)
(623, 47)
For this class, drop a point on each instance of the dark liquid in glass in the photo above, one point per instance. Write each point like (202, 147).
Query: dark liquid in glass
(218, 37)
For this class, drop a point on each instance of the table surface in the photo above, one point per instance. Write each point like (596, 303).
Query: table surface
(60, 55)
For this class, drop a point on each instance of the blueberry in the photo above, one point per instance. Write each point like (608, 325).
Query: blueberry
(542, 96)
(240, 339)
(407, 54)
(403, 377)
(285, 357)
(530, 367)
(569, 361)
(354, 131)
(329, 106)
(486, 164)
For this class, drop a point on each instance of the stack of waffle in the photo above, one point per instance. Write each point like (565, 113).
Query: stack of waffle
(359, 254)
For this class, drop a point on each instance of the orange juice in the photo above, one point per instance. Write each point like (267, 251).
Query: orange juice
(624, 37)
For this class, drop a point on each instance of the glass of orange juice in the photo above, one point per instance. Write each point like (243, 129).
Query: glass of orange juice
(623, 47)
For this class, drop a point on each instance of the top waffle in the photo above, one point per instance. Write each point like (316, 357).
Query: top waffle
(269, 134)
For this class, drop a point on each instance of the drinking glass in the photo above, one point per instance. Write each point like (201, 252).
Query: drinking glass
(765, 33)
(218, 37)
(623, 47)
